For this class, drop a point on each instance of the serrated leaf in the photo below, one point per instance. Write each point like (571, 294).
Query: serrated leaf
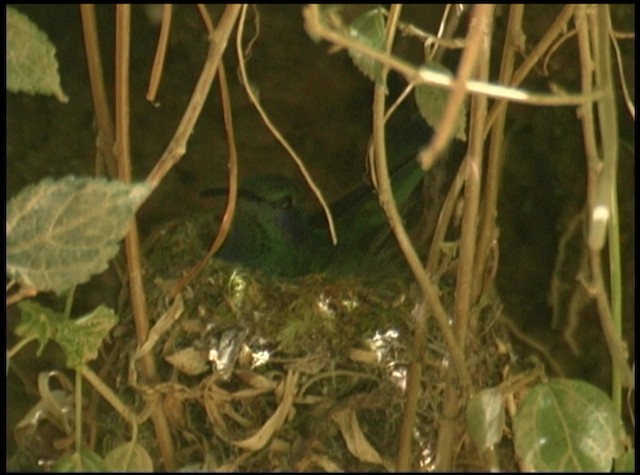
(485, 418)
(37, 322)
(432, 101)
(128, 457)
(32, 67)
(567, 425)
(82, 338)
(368, 28)
(61, 232)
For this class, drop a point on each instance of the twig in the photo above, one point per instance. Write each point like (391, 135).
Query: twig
(622, 373)
(608, 122)
(161, 53)
(556, 29)
(104, 142)
(447, 28)
(477, 51)
(428, 288)
(479, 33)
(444, 219)
(421, 75)
(631, 107)
(107, 393)
(487, 229)
(178, 144)
(456, 99)
(132, 239)
(380, 172)
(274, 130)
(206, 18)
(227, 218)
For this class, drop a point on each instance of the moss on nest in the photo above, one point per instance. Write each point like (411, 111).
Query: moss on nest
(341, 345)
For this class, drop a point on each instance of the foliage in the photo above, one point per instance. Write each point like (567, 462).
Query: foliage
(60, 233)
(566, 425)
(31, 64)
(244, 371)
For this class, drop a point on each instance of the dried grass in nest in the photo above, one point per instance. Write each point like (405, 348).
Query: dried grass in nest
(314, 377)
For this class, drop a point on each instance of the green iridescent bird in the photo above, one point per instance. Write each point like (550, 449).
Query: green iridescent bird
(272, 231)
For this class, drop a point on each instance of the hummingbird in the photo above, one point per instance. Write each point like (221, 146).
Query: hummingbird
(273, 231)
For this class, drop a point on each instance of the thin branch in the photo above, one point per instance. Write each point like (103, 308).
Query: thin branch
(276, 133)
(386, 201)
(227, 218)
(631, 107)
(104, 142)
(109, 395)
(132, 239)
(161, 53)
(178, 145)
(421, 75)
(475, 166)
(456, 99)
(556, 29)
(597, 287)
(487, 229)
(477, 51)
(607, 185)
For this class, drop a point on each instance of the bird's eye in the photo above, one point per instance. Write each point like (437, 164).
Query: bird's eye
(285, 202)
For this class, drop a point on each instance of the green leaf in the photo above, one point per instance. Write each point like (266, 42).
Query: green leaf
(83, 461)
(37, 322)
(568, 425)
(432, 102)
(626, 463)
(31, 62)
(61, 232)
(368, 28)
(485, 418)
(129, 457)
(82, 338)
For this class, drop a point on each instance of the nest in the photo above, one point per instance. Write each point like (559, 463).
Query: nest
(306, 374)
